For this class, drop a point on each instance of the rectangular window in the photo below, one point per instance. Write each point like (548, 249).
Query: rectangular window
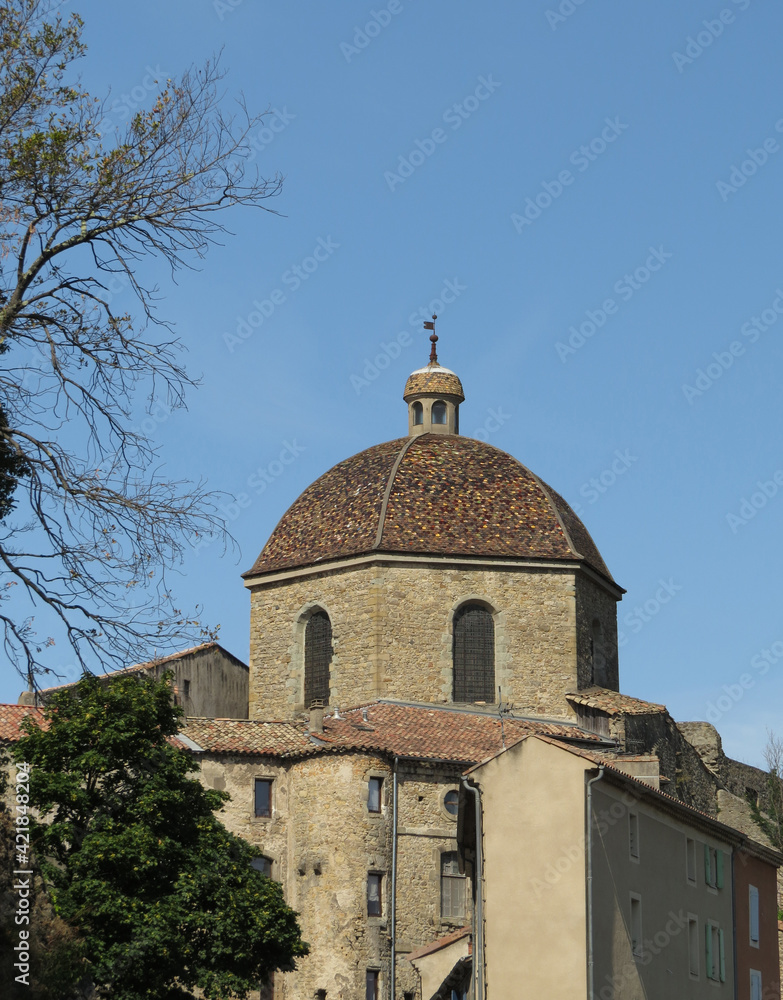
(636, 925)
(372, 992)
(263, 798)
(452, 887)
(755, 985)
(690, 860)
(754, 915)
(374, 897)
(715, 963)
(693, 945)
(374, 795)
(633, 835)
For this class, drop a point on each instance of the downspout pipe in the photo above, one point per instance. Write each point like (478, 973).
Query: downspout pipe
(478, 875)
(393, 971)
(590, 954)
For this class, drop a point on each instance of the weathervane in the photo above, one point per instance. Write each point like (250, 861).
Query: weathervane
(430, 325)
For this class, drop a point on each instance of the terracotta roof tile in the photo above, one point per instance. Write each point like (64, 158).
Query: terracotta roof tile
(614, 703)
(450, 495)
(409, 731)
(10, 718)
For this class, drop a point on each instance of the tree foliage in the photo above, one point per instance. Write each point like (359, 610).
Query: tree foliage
(163, 896)
(78, 208)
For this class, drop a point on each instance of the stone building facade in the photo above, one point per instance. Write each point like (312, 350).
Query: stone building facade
(419, 608)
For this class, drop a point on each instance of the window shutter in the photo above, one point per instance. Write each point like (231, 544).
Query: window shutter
(708, 937)
(722, 958)
(707, 874)
(719, 867)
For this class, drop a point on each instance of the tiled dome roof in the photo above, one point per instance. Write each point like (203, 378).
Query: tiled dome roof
(430, 495)
(433, 379)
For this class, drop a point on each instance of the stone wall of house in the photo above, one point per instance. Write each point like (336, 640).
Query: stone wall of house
(596, 627)
(392, 634)
(323, 842)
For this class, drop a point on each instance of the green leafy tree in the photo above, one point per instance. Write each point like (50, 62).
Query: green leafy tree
(83, 205)
(164, 898)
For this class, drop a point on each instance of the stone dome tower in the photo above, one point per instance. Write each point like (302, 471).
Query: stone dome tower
(433, 568)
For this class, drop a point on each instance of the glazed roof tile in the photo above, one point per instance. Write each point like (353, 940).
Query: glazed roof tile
(421, 731)
(614, 703)
(433, 379)
(446, 495)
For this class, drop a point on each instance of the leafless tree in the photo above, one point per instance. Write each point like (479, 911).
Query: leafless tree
(87, 517)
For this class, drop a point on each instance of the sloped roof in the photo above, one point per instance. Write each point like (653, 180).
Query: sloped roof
(10, 718)
(430, 495)
(158, 662)
(419, 731)
(614, 703)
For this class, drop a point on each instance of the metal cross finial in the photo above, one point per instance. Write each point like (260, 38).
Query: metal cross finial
(433, 338)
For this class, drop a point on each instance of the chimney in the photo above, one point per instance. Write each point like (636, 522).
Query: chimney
(316, 723)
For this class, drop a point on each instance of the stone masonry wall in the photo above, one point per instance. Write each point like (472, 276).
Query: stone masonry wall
(323, 842)
(392, 634)
(596, 649)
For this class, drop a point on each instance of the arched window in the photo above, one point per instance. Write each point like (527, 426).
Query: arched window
(474, 654)
(418, 414)
(318, 656)
(439, 413)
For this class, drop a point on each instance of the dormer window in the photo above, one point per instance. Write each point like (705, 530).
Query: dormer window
(418, 414)
(439, 412)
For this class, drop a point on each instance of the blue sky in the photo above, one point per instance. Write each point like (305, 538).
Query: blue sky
(596, 186)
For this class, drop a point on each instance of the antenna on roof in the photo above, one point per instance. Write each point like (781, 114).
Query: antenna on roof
(430, 325)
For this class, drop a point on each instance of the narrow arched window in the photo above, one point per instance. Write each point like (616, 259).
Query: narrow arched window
(418, 414)
(318, 656)
(439, 413)
(598, 654)
(474, 654)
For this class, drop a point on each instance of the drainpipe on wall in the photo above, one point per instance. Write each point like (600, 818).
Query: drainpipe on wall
(393, 973)
(590, 959)
(478, 874)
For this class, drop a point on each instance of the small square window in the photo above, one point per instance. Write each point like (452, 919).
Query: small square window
(371, 990)
(374, 894)
(374, 795)
(263, 797)
(633, 835)
(262, 864)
